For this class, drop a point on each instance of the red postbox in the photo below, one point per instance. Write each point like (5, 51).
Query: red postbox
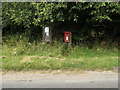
(67, 36)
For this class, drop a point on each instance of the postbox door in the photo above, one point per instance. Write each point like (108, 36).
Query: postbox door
(67, 36)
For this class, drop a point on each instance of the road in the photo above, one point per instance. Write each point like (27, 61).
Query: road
(88, 79)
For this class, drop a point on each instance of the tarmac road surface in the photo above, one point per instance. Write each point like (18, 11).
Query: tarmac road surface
(89, 79)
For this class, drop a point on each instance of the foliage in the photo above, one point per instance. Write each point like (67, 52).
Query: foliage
(86, 21)
(17, 13)
(35, 13)
(89, 22)
(19, 54)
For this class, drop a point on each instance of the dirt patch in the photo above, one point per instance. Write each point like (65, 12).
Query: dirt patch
(2, 56)
(26, 59)
(97, 58)
(50, 57)
(29, 58)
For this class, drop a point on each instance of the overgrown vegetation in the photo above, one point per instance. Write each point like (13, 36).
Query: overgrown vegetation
(88, 21)
(94, 27)
(19, 54)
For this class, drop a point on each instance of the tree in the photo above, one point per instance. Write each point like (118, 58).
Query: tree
(15, 13)
(27, 14)
(36, 13)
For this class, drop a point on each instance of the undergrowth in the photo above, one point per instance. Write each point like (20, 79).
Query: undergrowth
(19, 53)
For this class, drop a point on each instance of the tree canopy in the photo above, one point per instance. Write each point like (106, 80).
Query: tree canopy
(40, 13)
(87, 21)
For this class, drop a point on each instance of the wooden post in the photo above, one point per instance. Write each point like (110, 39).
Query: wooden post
(70, 43)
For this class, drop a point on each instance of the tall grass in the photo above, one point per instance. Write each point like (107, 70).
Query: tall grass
(22, 54)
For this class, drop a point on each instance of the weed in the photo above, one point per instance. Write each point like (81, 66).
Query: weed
(20, 54)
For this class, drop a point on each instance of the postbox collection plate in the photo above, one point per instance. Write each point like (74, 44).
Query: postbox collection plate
(67, 36)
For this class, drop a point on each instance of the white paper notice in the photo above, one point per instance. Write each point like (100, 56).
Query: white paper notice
(47, 31)
(67, 38)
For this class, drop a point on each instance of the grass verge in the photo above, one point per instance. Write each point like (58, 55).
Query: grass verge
(43, 56)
